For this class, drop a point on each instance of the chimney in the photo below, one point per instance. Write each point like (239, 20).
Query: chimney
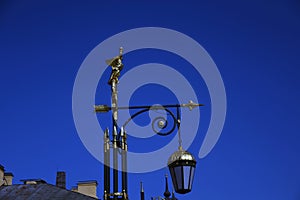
(1, 175)
(61, 180)
(88, 188)
(8, 177)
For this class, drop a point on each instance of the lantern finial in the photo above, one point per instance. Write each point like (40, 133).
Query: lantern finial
(167, 192)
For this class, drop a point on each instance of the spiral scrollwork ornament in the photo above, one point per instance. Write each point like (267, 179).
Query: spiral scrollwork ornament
(160, 125)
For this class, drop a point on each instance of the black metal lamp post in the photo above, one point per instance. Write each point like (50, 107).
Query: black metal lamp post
(181, 164)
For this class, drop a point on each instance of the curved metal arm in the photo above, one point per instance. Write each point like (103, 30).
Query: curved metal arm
(191, 105)
(156, 119)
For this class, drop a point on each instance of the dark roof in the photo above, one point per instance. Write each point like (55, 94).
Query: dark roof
(1, 167)
(39, 191)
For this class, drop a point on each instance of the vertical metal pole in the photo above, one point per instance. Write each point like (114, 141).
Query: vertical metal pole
(115, 133)
(117, 65)
(124, 162)
(106, 164)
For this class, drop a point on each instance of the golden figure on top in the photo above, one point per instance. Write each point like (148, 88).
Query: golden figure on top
(116, 65)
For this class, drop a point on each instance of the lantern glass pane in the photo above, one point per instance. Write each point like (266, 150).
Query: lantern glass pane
(192, 177)
(178, 173)
(173, 178)
(186, 176)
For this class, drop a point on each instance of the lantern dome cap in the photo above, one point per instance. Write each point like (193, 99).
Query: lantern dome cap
(181, 155)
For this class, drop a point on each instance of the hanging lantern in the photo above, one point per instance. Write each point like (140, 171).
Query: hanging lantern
(182, 166)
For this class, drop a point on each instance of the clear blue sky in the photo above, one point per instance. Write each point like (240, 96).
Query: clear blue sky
(255, 45)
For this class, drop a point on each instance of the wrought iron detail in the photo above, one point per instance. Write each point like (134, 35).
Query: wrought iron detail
(157, 120)
(176, 119)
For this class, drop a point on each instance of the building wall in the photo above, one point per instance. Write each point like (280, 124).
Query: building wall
(89, 189)
(8, 179)
(1, 175)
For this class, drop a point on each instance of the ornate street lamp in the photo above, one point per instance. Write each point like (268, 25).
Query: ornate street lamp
(181, 164)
